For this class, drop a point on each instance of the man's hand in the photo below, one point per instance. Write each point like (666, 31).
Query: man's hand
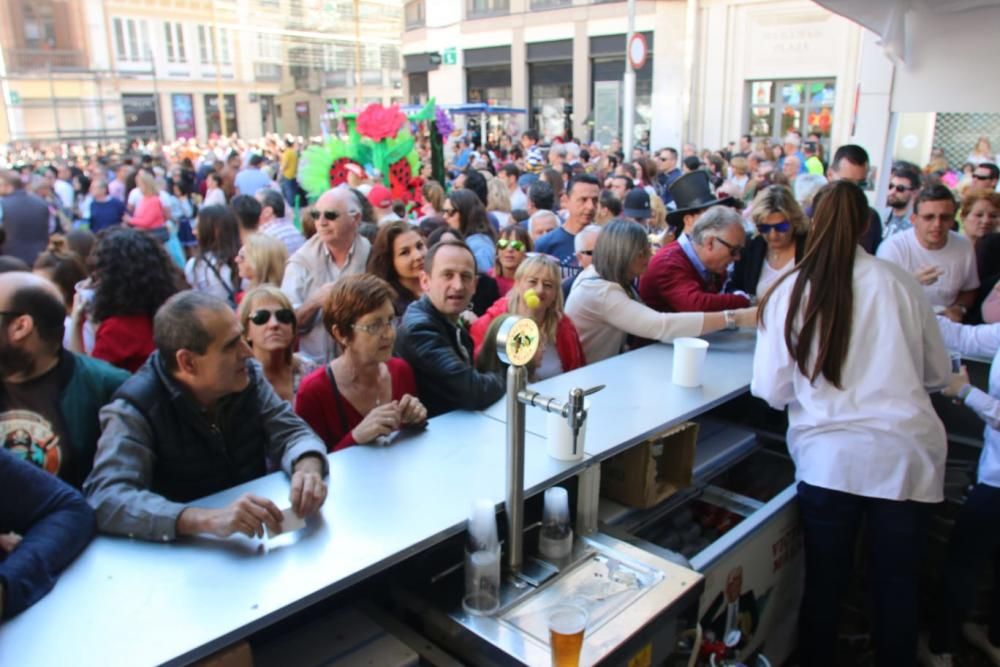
(8, 541)
(248, 515)
(308, 488)
(958, 381)
(928, 275)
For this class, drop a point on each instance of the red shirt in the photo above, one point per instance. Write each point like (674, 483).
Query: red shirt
(317, 404)
(503, 284)
(124, 341)
(672, 284)
(568, 344)
(149, 213)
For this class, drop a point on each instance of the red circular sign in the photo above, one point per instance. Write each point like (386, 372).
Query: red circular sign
(637, 50)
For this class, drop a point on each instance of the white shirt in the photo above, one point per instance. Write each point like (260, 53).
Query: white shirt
(551, 364)
(201, 277)
(984, 341)
(518, 200)
(956, 259)
(214, 197)
(769, 275)
(64, 190)
(604, 315)
(879, 437)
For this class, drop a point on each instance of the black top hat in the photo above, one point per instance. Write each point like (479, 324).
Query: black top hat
(692, 192)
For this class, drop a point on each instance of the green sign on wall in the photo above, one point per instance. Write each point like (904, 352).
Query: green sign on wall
(449, 56)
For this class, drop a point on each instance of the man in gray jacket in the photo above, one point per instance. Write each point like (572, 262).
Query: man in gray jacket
(199, 417)
(25, 219)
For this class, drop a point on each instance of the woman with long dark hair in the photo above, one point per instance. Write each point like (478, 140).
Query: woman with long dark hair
(397, 257)
(463, 211)
(849, 344)
(132, 277)
(213, 268)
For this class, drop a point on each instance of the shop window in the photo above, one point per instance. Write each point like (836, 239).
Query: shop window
(775, 107)
(475, 9)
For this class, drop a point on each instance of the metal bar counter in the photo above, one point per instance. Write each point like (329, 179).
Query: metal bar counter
(639, 398)
(125, 602)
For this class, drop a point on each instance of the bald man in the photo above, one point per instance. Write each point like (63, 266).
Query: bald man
(336, 250)
(51, 397)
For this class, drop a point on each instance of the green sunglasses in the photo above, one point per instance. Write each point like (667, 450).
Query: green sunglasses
(503, 244)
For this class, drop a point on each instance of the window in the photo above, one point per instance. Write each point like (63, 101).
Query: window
(775, 107)
(268, 47)
(475, 9)
(224, 46)
(414, 14)
(371, 57)
(338, 56)
(541, 5)
(205, 46)
(132, 40)
(174, 34)
(207, 43)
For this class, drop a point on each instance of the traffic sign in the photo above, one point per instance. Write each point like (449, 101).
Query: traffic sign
(450, 56)
(15, 97)
(637, 50)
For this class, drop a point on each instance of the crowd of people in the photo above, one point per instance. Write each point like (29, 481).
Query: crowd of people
(179, 319)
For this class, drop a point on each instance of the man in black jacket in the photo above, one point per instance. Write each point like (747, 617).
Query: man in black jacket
(434, 342)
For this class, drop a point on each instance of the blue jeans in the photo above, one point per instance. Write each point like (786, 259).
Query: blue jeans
(289, 190)
(896, 535)
(975, 542)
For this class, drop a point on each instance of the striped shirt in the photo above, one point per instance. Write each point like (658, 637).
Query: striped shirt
(285, 232)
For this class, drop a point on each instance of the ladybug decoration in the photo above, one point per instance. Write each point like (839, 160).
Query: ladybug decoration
(338, 171)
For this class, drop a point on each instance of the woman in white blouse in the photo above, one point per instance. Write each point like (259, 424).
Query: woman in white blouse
(975, 538)
(606, 309)
(849, 344)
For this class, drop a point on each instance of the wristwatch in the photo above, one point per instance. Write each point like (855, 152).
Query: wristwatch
(730, 319)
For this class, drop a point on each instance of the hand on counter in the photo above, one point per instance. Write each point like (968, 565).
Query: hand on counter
(382, 420)
(248, 514)
(308, 488)
(746, 317)
(411, 410)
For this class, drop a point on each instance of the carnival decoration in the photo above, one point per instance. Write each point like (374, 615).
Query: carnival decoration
(380, 141)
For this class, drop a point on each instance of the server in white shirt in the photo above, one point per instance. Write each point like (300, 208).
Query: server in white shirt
(943, 261)
(975, 538)
(866, 442)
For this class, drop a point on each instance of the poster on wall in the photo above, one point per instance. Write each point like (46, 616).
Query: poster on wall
(606, 111)
(183, 109)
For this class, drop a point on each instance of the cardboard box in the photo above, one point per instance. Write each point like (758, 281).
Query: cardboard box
(653, 470)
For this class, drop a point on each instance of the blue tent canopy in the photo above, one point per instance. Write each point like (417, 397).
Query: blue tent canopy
(468, 109)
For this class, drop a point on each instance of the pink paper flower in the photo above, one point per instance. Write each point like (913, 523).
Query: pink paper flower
(378, 122)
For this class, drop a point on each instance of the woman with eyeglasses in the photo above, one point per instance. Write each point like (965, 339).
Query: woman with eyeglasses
(268, 322)
(463, 211)
(397, 257)
(606, 309)
(781, 236)
(513, 246)
(364, 394)
(537, 293)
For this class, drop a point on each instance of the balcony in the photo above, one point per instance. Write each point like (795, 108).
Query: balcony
(20, 60)
(267, 71)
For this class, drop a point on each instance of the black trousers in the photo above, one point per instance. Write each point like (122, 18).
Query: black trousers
(975, 542)
(897, 533)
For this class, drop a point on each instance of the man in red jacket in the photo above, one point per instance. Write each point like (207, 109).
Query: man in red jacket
(688, 276)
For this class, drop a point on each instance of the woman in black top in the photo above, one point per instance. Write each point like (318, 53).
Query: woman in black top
(781, 233)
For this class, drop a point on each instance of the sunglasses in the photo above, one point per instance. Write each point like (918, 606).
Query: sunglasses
(448, 211)
(980, 177)
(900, 188)
(262, 316)
(734, 250)
(588, 253)
(503, 244)
(780, 227)
(329, 215)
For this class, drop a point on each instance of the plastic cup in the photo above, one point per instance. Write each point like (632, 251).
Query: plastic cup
(555, 540)
(567, 624)
(560, 437)
(689, 361)
(482, 582)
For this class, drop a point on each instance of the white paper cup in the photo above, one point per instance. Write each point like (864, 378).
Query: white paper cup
(689, 361)
(560, 436)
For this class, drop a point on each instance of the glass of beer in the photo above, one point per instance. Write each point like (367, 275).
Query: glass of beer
(566, 626)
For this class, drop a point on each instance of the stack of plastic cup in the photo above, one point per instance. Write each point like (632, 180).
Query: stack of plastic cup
(482, 561)
(689, 361)
(555, 541)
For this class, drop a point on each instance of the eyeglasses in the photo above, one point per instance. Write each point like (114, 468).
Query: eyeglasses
(863, 183)
(329, 215)
(734, 250)
(980, 177)
(588, 253)
(900, 188)
(262, 316)
(502, 244)
(765, 229)
(448, 211)
(376, 328)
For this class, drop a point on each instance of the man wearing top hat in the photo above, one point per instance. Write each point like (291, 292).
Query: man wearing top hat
(688, 276)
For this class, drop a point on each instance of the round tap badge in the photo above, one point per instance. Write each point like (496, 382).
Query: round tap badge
(520, 340)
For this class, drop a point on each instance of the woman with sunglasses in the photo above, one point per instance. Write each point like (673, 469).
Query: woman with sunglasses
(269, 329)
(463, 211)
(537, 293)
(397, 257)
(365, 393)
(512, 247)
(781, 236)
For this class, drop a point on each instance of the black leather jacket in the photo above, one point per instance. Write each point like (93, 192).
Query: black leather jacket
(446, 377)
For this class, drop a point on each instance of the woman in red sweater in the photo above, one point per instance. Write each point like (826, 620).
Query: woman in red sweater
(561, 349)
(132, 278)
(365, 393)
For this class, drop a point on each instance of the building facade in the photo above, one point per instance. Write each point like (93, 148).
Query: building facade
(715, 69)
(112, 69)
